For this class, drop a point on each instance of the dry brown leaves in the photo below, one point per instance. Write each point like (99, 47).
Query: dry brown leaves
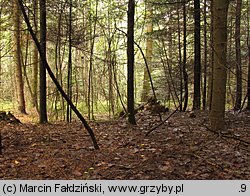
(182, 148)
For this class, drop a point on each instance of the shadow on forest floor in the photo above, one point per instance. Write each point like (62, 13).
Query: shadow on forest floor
(182, 148)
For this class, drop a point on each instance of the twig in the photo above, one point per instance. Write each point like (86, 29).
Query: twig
(227, 136)
(155, 127)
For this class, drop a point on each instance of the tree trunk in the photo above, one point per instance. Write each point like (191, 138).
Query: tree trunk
(43, 98)
(52, 76)
(58, 63)
(180, 62)
(35, 59)
(111, 101)
(91, 63)
(149, 53)
(17, 58)
(185, 75)
(248, 46)
(204, 100)
(197, 56)
(216, 117)
(238, 57)
(69, 113)
(211, 66)
(248, 82)
(0, 61)
(130, 56)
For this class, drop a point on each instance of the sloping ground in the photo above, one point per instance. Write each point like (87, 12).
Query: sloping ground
(182, 148)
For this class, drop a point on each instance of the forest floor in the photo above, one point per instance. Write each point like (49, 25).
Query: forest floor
(182, 148)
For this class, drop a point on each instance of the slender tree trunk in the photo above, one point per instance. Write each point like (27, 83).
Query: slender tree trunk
(248, 81)
(149, 52)
(180, 63)
(197, 56)
(91, 70)
(185, 75)
(25, 74)
(110, 61)
(248, 46)
(58, 64)
(17, 58)
(130, 56)
(211, 67)
(230, 75)
(0, 59)
(110, 73)
(35, 59)
(69, 112)
(43, 98)
(238, 56)
(52, 76)
(216, 117)
(204, 100)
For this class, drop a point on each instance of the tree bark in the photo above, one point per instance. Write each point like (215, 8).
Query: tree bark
(130, 59)
(17, 58)
(216, 116)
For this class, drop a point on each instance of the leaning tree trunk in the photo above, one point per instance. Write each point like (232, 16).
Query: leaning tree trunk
(52, 76)
(17, 58)
(216, 117)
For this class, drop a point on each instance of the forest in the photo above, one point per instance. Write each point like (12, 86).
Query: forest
(124, 89)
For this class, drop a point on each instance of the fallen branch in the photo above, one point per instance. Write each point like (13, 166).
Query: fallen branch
(155, 127)
(52, 76)
(227, 136)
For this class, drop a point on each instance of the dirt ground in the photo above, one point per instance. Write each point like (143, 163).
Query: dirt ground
(182, 148)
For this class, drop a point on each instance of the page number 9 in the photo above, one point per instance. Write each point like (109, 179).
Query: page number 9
(243, 188)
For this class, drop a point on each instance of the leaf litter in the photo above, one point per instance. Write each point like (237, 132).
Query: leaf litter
(182, 148)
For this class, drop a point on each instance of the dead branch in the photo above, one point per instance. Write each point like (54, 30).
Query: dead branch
(227, 136)
(161, 123)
